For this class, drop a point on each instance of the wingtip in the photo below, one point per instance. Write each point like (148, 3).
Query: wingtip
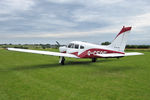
(6, 48)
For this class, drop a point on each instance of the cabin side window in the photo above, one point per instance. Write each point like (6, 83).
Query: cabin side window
(81, 47)
(72, 46)
(76, 46)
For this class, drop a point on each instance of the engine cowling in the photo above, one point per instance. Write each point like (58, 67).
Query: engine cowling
(63, 49)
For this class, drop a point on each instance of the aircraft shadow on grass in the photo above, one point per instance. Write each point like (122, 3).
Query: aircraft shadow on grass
(71, 63)
(52, 65)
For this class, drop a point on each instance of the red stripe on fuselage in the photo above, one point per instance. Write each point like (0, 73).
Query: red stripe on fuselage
(75, 53)
(91, 53)
(63, 52)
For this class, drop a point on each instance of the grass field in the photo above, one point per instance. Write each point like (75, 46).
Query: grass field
(26, 76)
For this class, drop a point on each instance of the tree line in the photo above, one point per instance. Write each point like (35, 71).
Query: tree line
(44, 46)
(130, 46)
(26, 46)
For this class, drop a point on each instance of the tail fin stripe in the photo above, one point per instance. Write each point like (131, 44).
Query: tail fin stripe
(120, 40)
(124, 29)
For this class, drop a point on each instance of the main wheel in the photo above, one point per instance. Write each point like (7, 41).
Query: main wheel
(94, 59)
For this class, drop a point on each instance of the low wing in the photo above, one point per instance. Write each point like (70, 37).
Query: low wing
(115, 55)
(43, 52)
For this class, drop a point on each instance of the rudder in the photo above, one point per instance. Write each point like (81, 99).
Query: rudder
(120, 40)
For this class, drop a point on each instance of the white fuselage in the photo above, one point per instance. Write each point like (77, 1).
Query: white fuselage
(87, 50)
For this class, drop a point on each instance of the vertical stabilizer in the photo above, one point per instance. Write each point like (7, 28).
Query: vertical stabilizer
(120, 40)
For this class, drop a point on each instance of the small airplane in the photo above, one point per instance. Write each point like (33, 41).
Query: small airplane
(78, 49)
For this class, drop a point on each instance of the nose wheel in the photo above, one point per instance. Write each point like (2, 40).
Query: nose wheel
(62, 60)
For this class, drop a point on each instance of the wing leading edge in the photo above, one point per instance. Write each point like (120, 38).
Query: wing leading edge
(43, 52)
(115, 55)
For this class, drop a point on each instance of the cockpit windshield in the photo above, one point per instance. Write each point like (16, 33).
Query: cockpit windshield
(72, 45)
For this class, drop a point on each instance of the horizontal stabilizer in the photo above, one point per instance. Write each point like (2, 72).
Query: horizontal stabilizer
(43, 52)
(110, 55)
(115, 55)
(133, 54)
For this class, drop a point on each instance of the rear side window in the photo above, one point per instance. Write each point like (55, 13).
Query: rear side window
(81, 47)
(76, 46)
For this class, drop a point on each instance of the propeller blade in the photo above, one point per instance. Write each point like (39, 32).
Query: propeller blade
(58, 43)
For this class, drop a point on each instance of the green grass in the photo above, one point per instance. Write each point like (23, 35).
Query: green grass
(26, 76)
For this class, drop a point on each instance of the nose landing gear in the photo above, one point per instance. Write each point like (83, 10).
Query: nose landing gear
(62, 60)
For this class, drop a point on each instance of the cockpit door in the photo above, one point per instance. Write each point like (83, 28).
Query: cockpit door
(73, 49)
(81, 49)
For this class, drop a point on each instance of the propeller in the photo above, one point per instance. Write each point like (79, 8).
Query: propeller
(58, 43)
(61, 47)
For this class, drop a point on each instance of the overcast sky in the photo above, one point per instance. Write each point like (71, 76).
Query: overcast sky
(96, 21)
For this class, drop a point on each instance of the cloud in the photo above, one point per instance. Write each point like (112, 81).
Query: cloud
(71, 18)
(86, 2)
(62, 1)
(65, 34)
(141, 21)
(8, 6)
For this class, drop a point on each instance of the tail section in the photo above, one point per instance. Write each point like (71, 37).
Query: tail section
(120, 40)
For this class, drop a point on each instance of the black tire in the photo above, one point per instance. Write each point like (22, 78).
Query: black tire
(94, 59)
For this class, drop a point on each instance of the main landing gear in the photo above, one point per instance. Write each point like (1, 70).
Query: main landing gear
(62, 60)
(94, 59)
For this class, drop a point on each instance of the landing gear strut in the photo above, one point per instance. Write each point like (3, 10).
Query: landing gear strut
(94, 59)
(62, 60)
